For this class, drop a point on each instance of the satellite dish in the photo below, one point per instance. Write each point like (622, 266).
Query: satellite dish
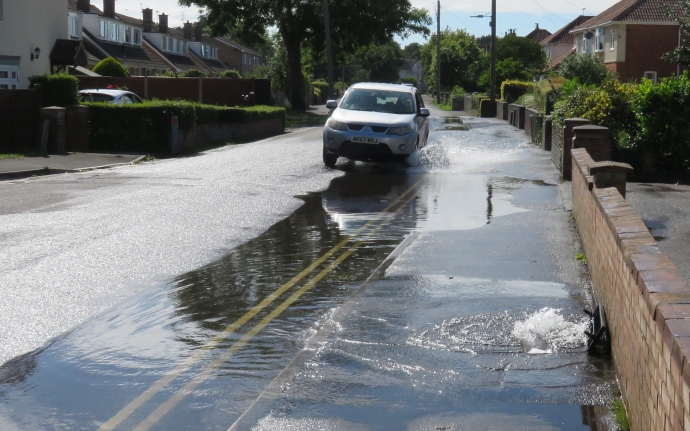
(589, 35)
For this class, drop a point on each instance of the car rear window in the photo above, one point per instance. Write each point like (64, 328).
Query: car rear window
(95, 97)
(391, 102)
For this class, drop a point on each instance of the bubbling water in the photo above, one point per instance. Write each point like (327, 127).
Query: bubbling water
(547, 331)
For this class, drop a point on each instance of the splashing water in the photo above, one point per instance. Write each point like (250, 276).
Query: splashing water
(546, 331)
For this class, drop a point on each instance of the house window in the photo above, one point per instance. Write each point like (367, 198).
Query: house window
(9, 77)
(103, 29)
(128, 34)
(600, 39)
(113, 31)
(74, 27)
(613, 39)
(588, 42)
(651, 76)
(136, 36)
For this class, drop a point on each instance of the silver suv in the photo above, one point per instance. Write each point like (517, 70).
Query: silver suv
(375, 122)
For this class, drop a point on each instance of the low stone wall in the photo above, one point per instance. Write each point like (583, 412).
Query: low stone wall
(502, 110)
(206, 133)
(533, 125)
(516, 116)
(647, 301)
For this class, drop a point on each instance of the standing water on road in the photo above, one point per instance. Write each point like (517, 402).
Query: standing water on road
(447, 338)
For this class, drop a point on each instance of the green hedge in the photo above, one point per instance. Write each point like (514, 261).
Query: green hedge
(144, 127)
(512, 90)
(57, 90)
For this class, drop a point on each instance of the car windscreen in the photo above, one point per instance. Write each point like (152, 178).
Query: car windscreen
(391, 102)
(95, 97)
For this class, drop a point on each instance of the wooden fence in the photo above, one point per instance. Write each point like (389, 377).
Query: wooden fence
(19, 119)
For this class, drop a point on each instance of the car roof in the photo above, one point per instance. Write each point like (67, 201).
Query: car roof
(381, 86)
(107, 91)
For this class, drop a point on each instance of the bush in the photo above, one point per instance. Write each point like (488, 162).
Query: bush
(230, 73)
(457, 92)
(512, 90)
(111, 67)
(144, 127)
(586, 68)
(662, 113)
(193, 73)
(409, 80)
(59, 89)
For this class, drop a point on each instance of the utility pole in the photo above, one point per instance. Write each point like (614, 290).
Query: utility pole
(438, 51)
(492, 95)
(329, 52)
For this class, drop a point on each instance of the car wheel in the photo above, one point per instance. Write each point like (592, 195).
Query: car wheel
(329, 159)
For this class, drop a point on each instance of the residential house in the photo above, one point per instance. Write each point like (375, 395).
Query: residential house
(630, 37)
(412, 68)
(110, 34)
(238, 57)
(562, 43)
(28, 32)
(538, 34)
(205, 49)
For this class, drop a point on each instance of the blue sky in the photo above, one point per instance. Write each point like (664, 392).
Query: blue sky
(521, 15)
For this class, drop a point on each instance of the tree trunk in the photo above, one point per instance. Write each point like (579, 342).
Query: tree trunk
(294, 54)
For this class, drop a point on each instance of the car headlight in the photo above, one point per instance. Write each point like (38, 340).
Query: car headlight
(336, 125)
(401, 130)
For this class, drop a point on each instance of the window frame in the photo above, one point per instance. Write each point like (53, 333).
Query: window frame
(103, 29)
(656, 75)
(612, 46)
(113, 31)
(599, 39)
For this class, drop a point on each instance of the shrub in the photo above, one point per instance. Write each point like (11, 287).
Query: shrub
(193, 73)
(230, 73)
(662, 113)
(457, 92)
(587, 68)
(512, 90)
(409, 80)
(59, 89)
(111, 67)
(144, 127)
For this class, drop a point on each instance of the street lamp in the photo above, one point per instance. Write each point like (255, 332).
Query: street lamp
(492, 93)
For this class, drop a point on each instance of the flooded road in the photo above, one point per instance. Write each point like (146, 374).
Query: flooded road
(476, 324)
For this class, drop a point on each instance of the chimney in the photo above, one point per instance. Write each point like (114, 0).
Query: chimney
(84, 6)
(148, 20)
(188, 30)
(109, 8)
(162, 23)
(198, 31)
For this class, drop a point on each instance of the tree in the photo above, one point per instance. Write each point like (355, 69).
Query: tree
(413, 50)
(521, 50)
(354, 23)
(462, 61)
(586, 68)
(382, 61)
(508, 69)
(110, 67)
(679, 11)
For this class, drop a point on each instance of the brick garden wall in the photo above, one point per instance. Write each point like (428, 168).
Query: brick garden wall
(647, 303)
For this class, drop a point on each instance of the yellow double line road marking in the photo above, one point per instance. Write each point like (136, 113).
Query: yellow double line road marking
(186, 365)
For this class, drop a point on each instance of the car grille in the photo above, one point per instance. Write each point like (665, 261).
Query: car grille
(375, 129)
(356, 147)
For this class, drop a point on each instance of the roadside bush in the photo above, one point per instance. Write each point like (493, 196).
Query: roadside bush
(193, 73)
(586, 68)
(512, 90)
(320, 90)
(144, 127)
(110, 67)
(457, 92)
(409, 80)
(662, 112)
(230, 73)
(57, 89)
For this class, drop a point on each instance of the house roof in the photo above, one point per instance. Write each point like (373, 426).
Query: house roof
(556, 61)
(237, 45)
(643, 11)
(128, 55)
(67, 52)
(408, 64)
(538, 34)
(563, 34)
(72, 7)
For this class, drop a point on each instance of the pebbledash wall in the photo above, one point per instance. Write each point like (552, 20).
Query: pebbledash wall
(646, 299)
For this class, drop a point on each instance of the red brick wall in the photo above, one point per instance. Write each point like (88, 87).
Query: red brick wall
(647, 304)
(645, 44)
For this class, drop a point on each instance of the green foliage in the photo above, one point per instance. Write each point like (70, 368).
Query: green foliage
(144, 127)
(409, 80)
(413, 50)
(620, 415)
(230, 73)
(520, 50)
(261, 71)
(110, 67)
(662, 113)
(580, 257)
(586, 68)
(193, 73)
(383, 61)
(457, 92)
(462, 61)
(476, 100)
(58, 89)
(361, 75)
(679, 12)
(513, 90)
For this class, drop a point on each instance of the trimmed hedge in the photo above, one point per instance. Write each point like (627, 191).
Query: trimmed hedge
(511, 91)
(60, 89)
(144, 127)
(110, 67)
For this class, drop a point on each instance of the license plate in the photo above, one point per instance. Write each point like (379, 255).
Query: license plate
(364, 140)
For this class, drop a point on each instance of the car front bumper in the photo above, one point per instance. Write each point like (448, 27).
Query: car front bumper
(387, 147)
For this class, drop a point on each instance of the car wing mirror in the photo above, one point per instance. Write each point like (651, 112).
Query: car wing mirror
(424, 112)
(331, 104)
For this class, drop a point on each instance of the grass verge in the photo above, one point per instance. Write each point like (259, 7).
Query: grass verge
(620, 415)
(25, 153)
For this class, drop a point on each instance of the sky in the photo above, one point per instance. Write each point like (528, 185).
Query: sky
(521, 15)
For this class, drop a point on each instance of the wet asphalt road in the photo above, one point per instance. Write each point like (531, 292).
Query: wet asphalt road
(477, 323)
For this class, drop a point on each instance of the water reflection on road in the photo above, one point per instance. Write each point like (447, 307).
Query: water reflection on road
(86, 377)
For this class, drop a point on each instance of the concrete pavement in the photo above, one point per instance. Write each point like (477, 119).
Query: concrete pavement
(62, 163)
